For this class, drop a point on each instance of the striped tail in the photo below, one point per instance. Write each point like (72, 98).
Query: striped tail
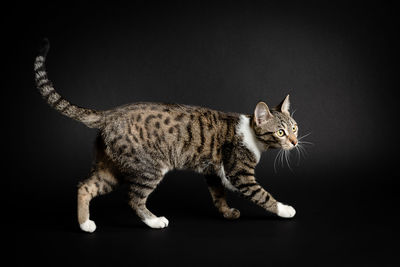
(91, 118)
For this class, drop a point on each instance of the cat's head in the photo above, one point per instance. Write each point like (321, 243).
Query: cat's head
(275, 127)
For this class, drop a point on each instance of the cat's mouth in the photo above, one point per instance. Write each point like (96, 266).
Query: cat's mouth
(288, 147)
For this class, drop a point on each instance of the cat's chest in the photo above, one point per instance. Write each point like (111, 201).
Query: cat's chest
(248, 139)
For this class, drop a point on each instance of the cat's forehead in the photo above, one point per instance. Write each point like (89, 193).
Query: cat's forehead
(282, 119)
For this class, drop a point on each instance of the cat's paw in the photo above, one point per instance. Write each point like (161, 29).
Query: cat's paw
(88, 226)
(285, 211)
(231, 214)
(157, 222)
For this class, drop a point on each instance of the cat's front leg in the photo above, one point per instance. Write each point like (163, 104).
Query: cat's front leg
(218, 195)
(246, 185)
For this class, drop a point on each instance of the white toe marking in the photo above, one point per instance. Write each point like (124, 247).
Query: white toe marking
(157, 222)
(88, 226)
(285, 211)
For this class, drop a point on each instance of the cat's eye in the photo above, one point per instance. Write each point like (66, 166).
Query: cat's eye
(280, 133)
(294, 128)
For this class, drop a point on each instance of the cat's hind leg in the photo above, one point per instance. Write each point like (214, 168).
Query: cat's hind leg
(100, 182)
(218, 195)
(142, 184)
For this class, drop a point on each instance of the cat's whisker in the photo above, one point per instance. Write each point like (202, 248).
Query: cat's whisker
(303, 150)
(287, 158)
(275, 161)
(276, 157)
(288, 161)
(300, 146)
(284, 157)
(298, 155)
(306, 142)
(304, 136)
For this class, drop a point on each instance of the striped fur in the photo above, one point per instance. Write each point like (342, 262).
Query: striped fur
(91, 118)
(139, 143)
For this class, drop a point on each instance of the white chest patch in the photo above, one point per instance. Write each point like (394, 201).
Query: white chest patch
(244, 130)
(164, 171)
(225, 182)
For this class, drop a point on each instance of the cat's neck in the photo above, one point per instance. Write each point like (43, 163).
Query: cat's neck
(245, 133)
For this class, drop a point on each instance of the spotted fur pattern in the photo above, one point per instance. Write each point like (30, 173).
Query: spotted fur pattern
(139, 143)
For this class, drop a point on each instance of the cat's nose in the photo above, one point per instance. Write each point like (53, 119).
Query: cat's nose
(293, 140)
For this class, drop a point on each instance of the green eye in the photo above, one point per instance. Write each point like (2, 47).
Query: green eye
(280, 133)
(294, 128)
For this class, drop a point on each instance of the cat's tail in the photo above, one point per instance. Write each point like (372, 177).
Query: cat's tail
(91, 118)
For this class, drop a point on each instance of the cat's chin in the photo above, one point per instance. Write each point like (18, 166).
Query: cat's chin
(288, 148)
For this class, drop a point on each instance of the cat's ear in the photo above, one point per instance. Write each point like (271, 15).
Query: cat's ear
(284, 106)
(262, 114)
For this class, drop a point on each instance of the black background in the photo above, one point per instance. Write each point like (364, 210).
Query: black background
(337, 62)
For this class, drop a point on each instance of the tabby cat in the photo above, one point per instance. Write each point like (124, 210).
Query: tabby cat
(139, 143)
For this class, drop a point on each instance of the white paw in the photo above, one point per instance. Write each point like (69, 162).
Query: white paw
(157, 222)
(285, 211)
(88, 226)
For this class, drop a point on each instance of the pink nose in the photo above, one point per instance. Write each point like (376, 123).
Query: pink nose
(293, 139)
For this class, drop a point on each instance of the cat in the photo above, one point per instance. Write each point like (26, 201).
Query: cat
(139, 143)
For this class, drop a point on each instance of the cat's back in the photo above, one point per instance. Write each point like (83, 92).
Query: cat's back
(162, 129)
(165, 113)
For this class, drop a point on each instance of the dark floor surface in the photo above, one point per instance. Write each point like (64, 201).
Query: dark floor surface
(338, 222)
